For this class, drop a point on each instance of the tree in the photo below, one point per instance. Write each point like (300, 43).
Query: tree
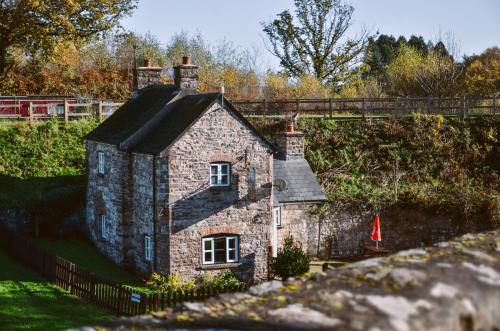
(314, 41)
(36, 27)
(482, 76)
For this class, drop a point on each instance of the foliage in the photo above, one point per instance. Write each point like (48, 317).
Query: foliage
(44, 150)
(427, 162)
(36, 27)
(174, 283)
(169, 283)
(314, 41)
(29, 302)
(482, 77)
(291, 260)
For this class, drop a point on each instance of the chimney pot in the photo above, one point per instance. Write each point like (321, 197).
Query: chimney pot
(186, 60)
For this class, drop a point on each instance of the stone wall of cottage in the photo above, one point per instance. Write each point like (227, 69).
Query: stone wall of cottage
(142, 211)
(296, 220)
(196, 210)
(105, 196)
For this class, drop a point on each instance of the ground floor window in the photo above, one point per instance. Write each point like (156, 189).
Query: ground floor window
(220, 249)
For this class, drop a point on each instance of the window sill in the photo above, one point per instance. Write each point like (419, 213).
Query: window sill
(220, 266)
(220, 188)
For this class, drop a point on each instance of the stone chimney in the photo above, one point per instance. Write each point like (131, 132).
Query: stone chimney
(186, 75)
(147, 75)
(290, 143)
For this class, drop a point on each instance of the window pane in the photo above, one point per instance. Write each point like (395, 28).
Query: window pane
(213, 180)
(208, 256)
(231, 255)
(224, 180)
(225, 169)
(214, 169)
(220, 243)
(220, 256)
(231, 243)
(208, 245)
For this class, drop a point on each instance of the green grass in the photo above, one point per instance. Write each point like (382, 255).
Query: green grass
(28, 302)
(85, 255)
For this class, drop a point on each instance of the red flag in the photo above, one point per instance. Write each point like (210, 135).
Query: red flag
(376, 235)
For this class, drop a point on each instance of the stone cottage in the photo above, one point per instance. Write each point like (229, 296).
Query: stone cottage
(181, 182)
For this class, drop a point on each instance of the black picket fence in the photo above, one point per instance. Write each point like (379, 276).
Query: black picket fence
(114, 297)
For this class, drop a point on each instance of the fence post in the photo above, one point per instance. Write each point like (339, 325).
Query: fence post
(363, 111)
(265, 109)
(66, 111)
(429, 104)
(331, 108)
(462, 105)
(494, 106)
(99, 111)
(30, 112)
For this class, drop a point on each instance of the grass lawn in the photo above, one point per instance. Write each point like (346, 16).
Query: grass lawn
(28, 302)
(85, 255)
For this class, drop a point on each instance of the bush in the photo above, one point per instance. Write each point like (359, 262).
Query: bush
(169, 283)
(291, 260)
(174, 283)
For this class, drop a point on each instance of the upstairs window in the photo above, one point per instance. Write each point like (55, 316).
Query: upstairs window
(277, 215)
(148, 248)
(220, 174)
(223, 249)
(100, 163)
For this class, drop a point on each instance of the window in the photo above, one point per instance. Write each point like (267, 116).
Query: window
(104, 227)
(220, 174)
(252, 178)
(277, 215)
(222, 249)
(148, 248)
(100, 163)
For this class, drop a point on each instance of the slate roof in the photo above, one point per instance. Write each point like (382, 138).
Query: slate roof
(167, 117)
(301, 184)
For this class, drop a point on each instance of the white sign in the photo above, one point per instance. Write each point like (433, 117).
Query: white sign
(136, 297)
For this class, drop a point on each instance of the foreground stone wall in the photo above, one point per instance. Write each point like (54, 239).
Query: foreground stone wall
(452, 286)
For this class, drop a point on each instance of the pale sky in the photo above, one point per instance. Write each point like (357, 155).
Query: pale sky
(474, 23)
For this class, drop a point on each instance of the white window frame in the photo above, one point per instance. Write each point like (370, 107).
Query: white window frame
(277, 216)
(212, 249)
(148, 248)
(101, 159)
(219, 174)
(104, 227)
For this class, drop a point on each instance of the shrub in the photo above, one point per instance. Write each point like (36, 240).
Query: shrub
(291, 260)
(169, 283)
(225, 280)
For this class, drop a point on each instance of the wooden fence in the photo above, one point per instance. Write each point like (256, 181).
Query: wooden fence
(370, 107)
(114, 297)
(329, 108)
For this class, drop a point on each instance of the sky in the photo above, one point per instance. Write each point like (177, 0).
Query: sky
(475, 24)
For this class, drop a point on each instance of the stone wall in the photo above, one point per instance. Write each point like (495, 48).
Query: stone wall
(344, 233)
(194, 208)
(106, 195)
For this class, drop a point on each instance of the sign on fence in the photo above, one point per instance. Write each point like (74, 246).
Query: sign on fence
(135, 297)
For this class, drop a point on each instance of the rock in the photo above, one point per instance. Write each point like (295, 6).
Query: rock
(404, 276)
(484, 273)
(265, 288)
(301, 316)
(479, 255)
(441, 290)
(195, 306)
